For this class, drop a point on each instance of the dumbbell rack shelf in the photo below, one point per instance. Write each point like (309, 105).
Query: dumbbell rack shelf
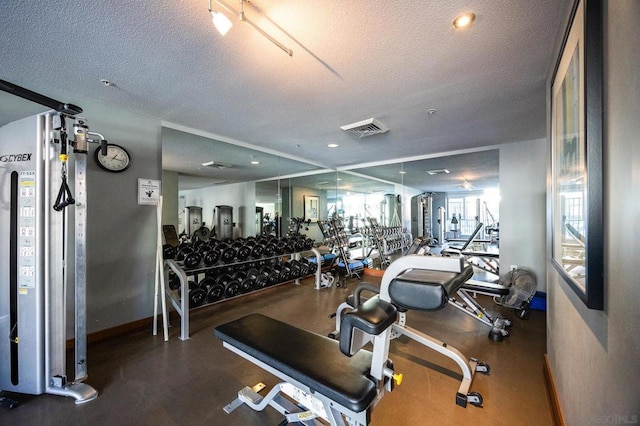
(181, 304)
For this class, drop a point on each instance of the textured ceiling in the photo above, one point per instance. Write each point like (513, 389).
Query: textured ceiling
(391, 60)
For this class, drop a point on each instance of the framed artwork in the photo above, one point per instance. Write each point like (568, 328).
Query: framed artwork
(311, 207)
(576, 155)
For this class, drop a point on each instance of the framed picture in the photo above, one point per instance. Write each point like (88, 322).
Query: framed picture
(576, 155)
(311, 207)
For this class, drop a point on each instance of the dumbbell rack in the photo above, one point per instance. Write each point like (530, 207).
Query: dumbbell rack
(336, 238)
(388, 239)
(220, 284)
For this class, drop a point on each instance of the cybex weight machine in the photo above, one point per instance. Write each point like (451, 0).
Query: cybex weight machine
(44, 248)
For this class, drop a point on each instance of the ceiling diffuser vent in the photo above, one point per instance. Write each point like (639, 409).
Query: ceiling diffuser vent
(365, 128)
(217, 165)
(438, 172)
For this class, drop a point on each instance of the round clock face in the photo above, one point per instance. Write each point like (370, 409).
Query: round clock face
(116, 160)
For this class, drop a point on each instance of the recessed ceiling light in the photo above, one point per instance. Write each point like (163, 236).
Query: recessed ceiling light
(464, 20)
(254, 162)
(431, 111)
(402, 172)
(208, 163)
(333, 145)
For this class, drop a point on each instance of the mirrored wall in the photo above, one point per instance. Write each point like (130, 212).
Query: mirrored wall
(267, 191)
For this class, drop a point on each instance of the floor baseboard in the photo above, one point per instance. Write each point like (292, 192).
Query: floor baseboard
(554, 401)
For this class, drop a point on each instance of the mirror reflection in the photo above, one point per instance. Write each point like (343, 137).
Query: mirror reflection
(443, 198)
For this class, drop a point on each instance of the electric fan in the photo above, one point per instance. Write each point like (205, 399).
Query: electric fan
(522, 288)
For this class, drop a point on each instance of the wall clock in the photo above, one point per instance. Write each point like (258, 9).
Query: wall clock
(116, 160)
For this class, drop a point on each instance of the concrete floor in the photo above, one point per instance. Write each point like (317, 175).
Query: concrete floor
(143, 380)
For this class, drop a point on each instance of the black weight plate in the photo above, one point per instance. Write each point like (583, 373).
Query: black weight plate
(246, 285)
(252, 273)
(273, 277)
(228, 254)
(296, 271)
(304, 269)
(232, 288)
(223, 279)
(191, 260)
(192, 284)
(215, 293)
(281, 248)
(261, 281)
(257, 250)
(285, 275)
(309, 243)
(239, 275)
(270, 250)
(197, 296)
(237, 243)
(244, 252)
(206, 282)
(174, 281)
(168, 251)
(183, 250)
(211, 257)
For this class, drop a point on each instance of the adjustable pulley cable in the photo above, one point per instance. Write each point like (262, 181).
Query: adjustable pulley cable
(65, 197)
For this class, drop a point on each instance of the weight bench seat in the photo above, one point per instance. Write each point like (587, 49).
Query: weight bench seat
(309, 358)
(486, 288)
(426, 289)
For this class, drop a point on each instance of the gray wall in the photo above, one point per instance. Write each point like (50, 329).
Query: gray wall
(594, 355)
(121, 235)
(523, 180)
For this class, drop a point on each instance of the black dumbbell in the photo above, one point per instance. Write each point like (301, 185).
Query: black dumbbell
(295, 269)
(232, 288)
(168, 251)
(174, 281)
(215, 293)
(228, 254)
(261, 280)
(197, 296)
(256, 250)
(244, 251)
(211, 257)
(183, 250)
(192, 260)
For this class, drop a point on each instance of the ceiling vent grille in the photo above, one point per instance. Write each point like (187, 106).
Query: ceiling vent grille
(217, 165)
(437, 172)
(365, 128)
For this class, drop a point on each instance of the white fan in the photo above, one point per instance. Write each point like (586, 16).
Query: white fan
(522, 288)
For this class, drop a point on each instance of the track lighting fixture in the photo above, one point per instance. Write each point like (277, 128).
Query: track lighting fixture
(223, 24)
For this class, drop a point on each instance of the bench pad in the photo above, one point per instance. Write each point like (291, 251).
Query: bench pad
(487, 288)
(426, 289)
(309, 358)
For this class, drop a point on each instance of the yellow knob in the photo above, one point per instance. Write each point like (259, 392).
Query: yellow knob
(398, 378)
(63, 157)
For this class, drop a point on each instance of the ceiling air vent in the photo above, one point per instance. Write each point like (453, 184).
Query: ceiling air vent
(365, 128)
(438, 172)
(217, 165)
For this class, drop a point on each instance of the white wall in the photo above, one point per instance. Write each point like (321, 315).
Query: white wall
(523, 180)
(241, 196)
(595, 355)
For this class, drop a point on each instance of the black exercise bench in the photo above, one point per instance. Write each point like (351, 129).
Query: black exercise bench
(327, 384)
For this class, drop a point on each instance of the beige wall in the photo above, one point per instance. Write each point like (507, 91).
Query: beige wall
(595, 355)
